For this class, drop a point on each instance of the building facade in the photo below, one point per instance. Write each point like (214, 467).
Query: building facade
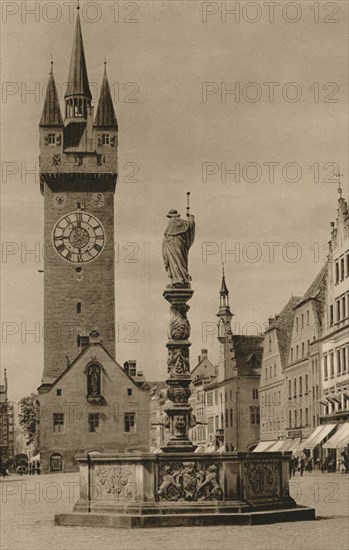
(202, 375)
(78, 174)
(232, 404)
(6, 426)
(334, 344)
(272, 390)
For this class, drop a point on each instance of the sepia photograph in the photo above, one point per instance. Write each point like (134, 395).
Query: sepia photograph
(174, 368)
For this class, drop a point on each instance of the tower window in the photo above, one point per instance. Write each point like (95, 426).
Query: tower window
(51, 139)
(105, 139)
(59, 393)
(78, 308)
(129, 391)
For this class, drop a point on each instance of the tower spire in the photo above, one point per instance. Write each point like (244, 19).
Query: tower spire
(105, 115)
(78, 94)
(51, 114)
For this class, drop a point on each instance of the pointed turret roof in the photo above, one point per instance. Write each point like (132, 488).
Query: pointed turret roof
(78, 80)
(51, 115)
(224, 288)
(105, 116)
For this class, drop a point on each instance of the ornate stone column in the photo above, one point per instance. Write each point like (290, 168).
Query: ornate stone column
(177, 408)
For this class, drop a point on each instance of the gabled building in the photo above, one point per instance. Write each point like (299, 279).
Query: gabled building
(159, 433)
(94, 405)
(272, 390)
(334, 344)
(232, 403)
(303, 366)
(203, 374)
(6, 426)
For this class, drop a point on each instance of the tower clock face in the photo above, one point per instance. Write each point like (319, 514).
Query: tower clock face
(78, 237)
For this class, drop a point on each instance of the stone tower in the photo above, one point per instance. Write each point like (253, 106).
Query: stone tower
(78, 174)
(225, 335)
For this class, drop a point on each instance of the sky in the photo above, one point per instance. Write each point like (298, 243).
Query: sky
(172, 67)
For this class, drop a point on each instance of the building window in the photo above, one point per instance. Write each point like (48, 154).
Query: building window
(337, 272)
(331, 315)
(347, 265)
(302, 321)
(301, 417)
(59, 393)
(216, 397)
(300, 385)
(231, 417)
(338, 310)
(51, 139)
(331, 365)
(270, 372)
(296, 352)
(254, 393)
(274, 369)
(130, 422)
(226, 418)
(93, 422)
(291, 355)
(303, 349)
(209, 399)
(295, 387)
(290, 419)
(306, 383)
(58, 422)
(254, 415)
(338, 361)
(308, 346)
(129, 391)
(289, 389)
(325, 367)
(308, 318)
(307, 417)
(266, 373)
(342, 269)
(105, 139)
(344, 360)
(343, 308)
(210, 425)
(78, 308)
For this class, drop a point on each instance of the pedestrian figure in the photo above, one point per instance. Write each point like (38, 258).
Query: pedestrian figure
(302, 465)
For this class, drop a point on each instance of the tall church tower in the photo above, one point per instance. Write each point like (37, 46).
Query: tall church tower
(78, 174)
(225, 334)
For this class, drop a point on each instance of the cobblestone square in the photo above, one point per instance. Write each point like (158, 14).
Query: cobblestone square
(28, 505)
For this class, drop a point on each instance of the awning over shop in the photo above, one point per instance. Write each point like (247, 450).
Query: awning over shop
(263, 446)
(277, 446)
(318, 435)
(340, 439)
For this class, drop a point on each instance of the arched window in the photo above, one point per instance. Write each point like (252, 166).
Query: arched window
(56, 462)
(78, 308)
(94, 386)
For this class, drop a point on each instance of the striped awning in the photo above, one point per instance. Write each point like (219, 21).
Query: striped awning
(340, 439)
(318, 435)
(263, 446)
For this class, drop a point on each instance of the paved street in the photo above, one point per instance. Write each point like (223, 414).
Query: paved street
(29, 503)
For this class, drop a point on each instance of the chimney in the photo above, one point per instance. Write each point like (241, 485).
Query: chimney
(199, 358)
(270, 320)
(204, 353)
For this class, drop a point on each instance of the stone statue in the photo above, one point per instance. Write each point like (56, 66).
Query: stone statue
(178, 238)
